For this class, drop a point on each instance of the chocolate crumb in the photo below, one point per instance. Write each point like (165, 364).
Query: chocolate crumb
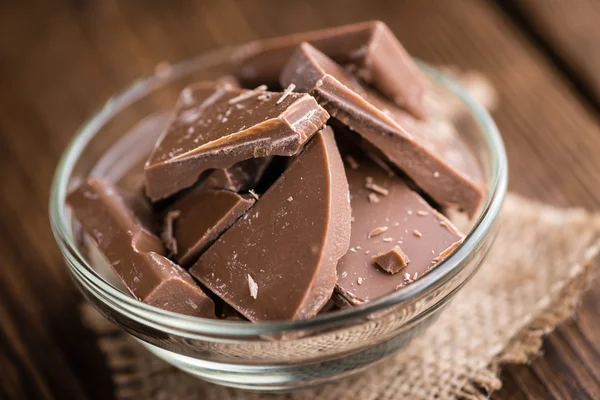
(286, 93)
(352, 249)
(377, 231)
(417, 233)
(359, 280)
(253, 287)
(167, 234)
(392, 261)
(422, 213)
(387, 239)
(344, 274)
(290, 198)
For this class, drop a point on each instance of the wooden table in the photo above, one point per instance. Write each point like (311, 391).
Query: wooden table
(60, 60)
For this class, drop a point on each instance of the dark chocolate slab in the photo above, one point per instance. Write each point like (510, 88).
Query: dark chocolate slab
(369, 47)
(202, 215)
(217, 125)
(399, 218)
(134, 253)
(373, 117)
(279, 260)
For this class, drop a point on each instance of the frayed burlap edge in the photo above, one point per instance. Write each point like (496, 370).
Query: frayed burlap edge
(526, 344)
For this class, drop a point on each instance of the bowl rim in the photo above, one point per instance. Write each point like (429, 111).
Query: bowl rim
(174, 322)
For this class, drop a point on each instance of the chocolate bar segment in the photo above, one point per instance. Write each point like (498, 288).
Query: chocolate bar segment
(400, 219)
(135, 254)
(217, 125)
(372, 117)
(201, 216)
(370, 48)
(441, 138)
(279, 260)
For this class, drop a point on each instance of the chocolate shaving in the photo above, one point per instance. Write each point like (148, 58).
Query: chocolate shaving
(253, 193)
(253, 286)
(352, 162)
(248, 94)
(377, 231)
(167, 235)
(377, 189)
(373, 198)
(286, 92)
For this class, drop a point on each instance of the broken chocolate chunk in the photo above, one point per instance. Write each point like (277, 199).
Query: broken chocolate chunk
(202, 216)
(372, 117)
(402, 213)
(441, 138)
(135, 254)
(278, 261)
(217, 125)
(240, 177)
(370, 48)
(392, 260)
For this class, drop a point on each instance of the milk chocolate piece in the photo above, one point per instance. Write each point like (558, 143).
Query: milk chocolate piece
(202, 216)
(372, 116)
(370, 47)
(217, 125)
(240, 177)
(135, 254)
(392, 261)
(404, 220)
(288, 244)
(441, 138)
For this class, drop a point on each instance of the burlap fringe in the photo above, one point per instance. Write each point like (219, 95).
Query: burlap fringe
(527, 343)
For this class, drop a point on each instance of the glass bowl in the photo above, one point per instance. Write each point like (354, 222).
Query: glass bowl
(270, 355)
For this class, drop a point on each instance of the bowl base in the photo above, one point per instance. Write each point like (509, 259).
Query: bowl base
(281, 378)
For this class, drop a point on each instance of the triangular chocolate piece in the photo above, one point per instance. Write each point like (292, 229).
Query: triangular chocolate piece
(397, 236)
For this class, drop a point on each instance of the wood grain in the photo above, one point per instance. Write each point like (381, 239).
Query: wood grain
(570, 29)
(60, 60)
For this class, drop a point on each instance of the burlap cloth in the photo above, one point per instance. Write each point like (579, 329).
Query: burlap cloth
(532, 279)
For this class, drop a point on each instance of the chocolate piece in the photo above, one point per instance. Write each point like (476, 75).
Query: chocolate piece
(240, 177)
(370, 47)
(402, 219)
(370, 115)
(289, 249)
(135, 254)
(441, 138)
(202, 216)
(217, 125)
(393, 260)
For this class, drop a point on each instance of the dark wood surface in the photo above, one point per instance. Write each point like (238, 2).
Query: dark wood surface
(60, 60)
